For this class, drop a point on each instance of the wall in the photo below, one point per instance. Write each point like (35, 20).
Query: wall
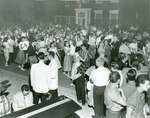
(21, 11)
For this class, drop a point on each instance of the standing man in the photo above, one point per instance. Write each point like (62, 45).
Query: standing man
(53, 79)
(39, 79)
(100, 78)
(11, 43)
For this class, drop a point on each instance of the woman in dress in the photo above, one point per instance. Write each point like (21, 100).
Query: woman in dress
(67, 59)
(107, 48)
(6, 50)
(72, 50)
(21, 59)
(54, 49)
(101, 49)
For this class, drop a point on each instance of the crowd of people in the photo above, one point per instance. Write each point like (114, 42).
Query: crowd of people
(109, 68)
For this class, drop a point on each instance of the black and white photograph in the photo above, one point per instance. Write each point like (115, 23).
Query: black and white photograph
(74, 58)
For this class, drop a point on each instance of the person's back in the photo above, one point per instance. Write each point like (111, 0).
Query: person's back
(39, 76)
(130, 87)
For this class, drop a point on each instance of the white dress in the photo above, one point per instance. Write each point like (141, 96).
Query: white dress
(56, 56)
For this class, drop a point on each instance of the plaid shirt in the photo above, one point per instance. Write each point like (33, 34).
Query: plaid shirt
(82, 68)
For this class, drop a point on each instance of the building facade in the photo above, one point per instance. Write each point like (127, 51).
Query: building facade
(104, 13)
(87, 12)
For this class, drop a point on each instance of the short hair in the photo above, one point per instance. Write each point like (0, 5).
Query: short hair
(65, 43)
(77, 49)
(135, 64)
(114, 76)
(25, 87)
(5, 39)
(141, 79)
(100, 60)
(115, 65)
(92, 62)
(51, 53)
(131, 75)
(41, 55)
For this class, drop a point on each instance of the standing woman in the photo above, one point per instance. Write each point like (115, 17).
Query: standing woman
(72, 50)
(53, 48)
(31, 54)
(107, 48)
(101, 49)
(6, 50)
(67, 59)
(21, 59)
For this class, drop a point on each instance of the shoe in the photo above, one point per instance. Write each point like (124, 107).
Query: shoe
(90, 106)
(22, 69)
(72, 85)
(93, 116)
(80, 101)
(19, 66)
(6, 64)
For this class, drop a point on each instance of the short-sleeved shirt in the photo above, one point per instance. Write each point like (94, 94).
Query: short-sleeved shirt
(113, 95)
(100, 76)
(137, 102)
(129, 89)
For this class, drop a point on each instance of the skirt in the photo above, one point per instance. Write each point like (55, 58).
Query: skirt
(67, 63)
(20, 59)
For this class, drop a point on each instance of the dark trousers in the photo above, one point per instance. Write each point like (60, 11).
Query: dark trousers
(62, 55)
(113, 114)
(98, 95)
(11, 58)
(54, 94)
(39, 96)
(80, 89)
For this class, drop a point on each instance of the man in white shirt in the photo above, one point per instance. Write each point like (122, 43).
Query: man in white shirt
(100, 78)
(22, 99)
(11, 43)
(53, 79)
(40, 74)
